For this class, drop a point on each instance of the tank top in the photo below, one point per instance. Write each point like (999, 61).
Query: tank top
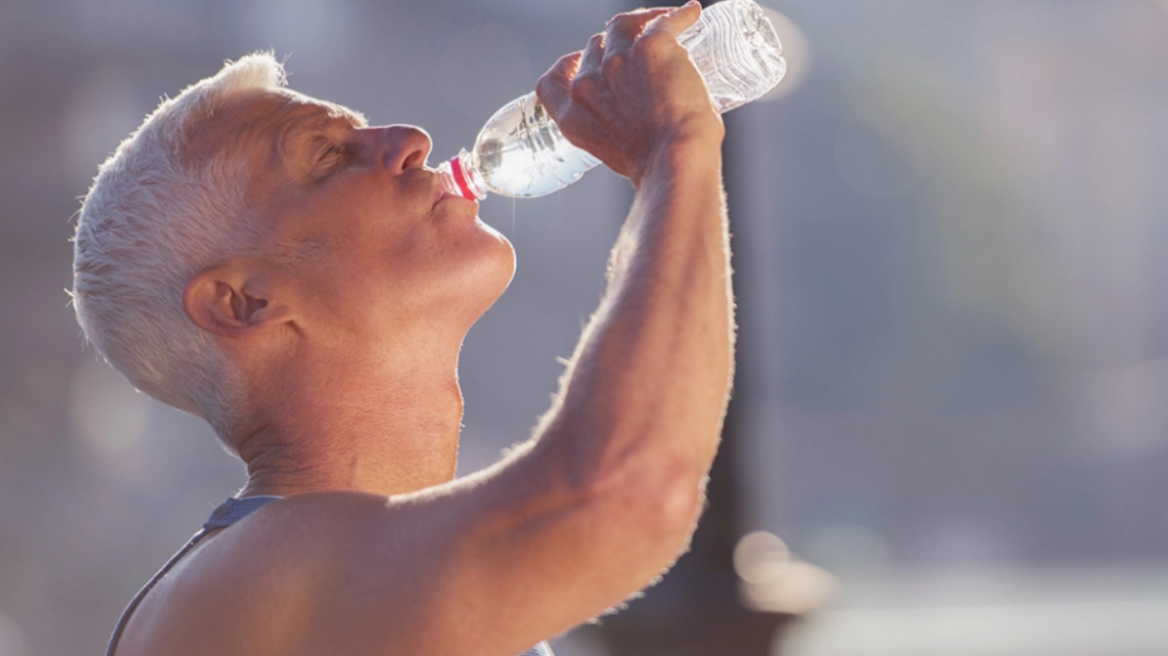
(227, 513)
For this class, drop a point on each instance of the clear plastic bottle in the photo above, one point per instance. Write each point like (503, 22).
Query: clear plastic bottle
(521, 152)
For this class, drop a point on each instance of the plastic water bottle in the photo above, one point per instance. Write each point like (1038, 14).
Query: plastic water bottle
(521, 152)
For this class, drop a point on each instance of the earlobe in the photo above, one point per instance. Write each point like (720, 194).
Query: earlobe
(217, 303)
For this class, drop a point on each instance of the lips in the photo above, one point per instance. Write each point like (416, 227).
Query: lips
(446, 182)
(444, 187)
(437, 191)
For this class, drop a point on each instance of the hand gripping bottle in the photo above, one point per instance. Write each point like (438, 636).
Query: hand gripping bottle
(521, 153)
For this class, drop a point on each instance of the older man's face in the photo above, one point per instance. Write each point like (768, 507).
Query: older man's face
(382, 249)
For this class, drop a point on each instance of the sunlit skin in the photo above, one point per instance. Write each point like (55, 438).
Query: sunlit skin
(354, 333)
(345, 324)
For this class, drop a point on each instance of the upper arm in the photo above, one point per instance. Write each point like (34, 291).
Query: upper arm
(491, 564)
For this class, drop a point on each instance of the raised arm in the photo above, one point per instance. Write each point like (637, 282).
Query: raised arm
(618, 464)
(605, 495)
(646, 391)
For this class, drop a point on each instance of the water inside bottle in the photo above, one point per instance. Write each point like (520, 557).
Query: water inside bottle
(522, 153)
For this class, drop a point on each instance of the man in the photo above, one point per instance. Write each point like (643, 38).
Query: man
(267, 261)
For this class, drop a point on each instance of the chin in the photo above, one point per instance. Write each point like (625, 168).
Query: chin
(485, 267)
(499, 266)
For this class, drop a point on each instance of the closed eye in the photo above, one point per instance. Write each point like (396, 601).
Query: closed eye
(328, 155)
(326, 148)
(321, 144)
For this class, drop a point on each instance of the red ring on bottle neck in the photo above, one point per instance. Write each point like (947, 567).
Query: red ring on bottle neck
(460, 179)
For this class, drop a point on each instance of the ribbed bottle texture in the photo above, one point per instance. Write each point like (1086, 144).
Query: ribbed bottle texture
(521, 152)
(737, 51)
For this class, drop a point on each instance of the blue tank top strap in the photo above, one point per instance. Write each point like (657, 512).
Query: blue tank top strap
(227, 513)
(233, 510)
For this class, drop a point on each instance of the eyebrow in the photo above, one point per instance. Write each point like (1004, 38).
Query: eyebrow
(317, 120)
(324, 116)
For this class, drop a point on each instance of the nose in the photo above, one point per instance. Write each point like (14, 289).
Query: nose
(403, 147)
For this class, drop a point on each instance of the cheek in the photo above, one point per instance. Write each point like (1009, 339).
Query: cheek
(435, 269)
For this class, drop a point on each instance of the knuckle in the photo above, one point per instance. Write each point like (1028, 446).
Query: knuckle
(654, 44)
(615, 61)
(629, 20)
(583, 87)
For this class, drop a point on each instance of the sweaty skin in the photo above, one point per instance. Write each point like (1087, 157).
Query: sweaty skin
(348, 346)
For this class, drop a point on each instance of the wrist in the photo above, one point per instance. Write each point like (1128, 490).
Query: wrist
(683, 155)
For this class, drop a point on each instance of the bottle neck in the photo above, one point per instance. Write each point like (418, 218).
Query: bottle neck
(466, 177)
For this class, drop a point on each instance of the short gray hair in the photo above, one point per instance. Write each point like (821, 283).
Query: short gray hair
(154, 218)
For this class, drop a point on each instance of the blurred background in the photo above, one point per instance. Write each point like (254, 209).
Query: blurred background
(950, 430)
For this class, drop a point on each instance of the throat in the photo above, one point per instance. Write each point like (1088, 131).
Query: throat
(390, 442)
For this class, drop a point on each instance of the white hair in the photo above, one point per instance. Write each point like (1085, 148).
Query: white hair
(155, 217)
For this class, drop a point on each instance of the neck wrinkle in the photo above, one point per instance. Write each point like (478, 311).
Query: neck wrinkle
(274, 469)
(325, 413)
(396, 440)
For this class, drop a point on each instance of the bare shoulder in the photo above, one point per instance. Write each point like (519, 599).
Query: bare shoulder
(480, 565)
(285, 580)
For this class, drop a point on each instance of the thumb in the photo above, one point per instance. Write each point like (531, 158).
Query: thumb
(676, 21)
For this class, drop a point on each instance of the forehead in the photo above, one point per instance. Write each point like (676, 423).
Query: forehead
(251, 133)
(267, 107)
(255, 120)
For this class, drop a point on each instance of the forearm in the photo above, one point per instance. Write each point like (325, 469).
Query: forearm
(646, 391)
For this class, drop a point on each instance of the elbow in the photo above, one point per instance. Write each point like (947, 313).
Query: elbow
(678, 504)
(658, 506)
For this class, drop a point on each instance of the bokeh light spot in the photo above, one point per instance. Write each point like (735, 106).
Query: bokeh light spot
(760, 557)
(773, 581)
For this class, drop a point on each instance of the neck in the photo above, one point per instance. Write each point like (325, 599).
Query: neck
(354, 428)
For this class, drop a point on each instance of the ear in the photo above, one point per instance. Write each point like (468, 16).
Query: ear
(223, 301)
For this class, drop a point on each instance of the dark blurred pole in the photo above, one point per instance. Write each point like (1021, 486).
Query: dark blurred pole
(695, 610)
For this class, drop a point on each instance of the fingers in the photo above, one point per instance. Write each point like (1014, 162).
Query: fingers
(552, 88)
(623, 29)
(594, 53)
(677, 20)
